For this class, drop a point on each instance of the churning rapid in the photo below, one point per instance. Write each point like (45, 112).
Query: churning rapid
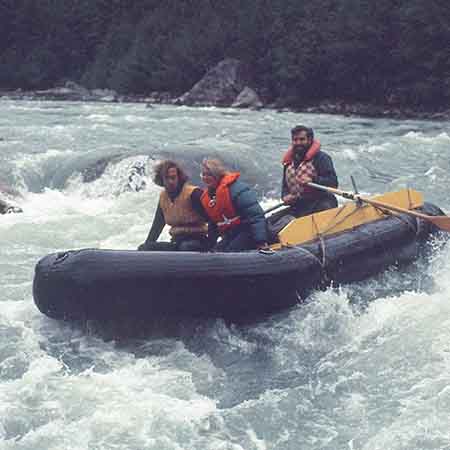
(364, 366)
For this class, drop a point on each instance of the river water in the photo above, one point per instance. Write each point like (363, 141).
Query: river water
(364, 366)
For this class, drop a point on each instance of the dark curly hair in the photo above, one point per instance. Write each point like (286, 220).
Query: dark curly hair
(299, 128)
(161, 169)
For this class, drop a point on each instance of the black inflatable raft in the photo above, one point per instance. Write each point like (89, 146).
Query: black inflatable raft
(113, 284)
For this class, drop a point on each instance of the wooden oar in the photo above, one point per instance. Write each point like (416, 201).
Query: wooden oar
(273, 208)
(442, 222)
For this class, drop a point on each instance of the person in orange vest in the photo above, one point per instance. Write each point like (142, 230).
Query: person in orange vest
(180, 207)
(304, 162)
(232, 209)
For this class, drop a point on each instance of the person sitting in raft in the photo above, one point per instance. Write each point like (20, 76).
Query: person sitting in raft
(232, 209)
(304, 162)
(180, 207)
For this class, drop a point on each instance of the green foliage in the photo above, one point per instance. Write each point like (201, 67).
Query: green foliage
(382, 51)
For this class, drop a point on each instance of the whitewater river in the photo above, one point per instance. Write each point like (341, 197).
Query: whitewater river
(365, 366)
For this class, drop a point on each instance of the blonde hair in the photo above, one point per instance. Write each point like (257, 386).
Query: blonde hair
(215, 167)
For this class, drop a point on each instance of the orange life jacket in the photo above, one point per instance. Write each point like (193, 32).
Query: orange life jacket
(312, 151)
(220, 209)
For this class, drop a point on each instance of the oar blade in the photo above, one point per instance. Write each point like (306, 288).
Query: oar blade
(442, 222)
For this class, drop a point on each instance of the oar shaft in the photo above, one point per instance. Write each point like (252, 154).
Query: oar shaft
(273, 208)
(442, 222)
(391, 207)
(351, 196)
(345, 194)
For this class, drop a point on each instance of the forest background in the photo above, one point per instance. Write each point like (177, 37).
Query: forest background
(394, 52)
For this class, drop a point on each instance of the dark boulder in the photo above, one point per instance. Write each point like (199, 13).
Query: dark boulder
(219, 87)
(248, 98)
(6, 205)
(7, 208)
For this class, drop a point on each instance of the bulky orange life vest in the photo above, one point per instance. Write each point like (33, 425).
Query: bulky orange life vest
(312, 151)
(220, 209)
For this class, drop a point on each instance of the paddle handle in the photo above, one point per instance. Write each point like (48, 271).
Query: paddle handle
(273, 208)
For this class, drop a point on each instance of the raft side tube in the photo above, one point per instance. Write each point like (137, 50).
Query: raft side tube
(113, 284)
(109, 283)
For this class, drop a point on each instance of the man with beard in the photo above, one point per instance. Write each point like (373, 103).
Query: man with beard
(304, 162)
(180, 207)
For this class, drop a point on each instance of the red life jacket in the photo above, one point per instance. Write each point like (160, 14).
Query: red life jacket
(220, 209)
(312, 151)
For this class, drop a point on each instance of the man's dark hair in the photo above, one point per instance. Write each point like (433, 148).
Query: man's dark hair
(299, 128)
(161, 169)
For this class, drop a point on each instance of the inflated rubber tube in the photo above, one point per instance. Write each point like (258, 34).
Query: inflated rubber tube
(113, 284)
(98, 284)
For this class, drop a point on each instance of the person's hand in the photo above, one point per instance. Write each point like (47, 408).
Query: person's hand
(289, 199)
(305, 179)
(265, 249)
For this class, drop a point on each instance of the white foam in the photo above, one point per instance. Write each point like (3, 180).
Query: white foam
(420, 137)
(100, 117)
